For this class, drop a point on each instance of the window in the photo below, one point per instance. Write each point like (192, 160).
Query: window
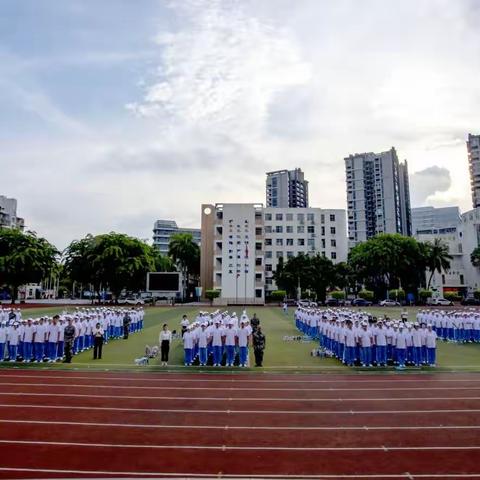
(310, 217)
(300, 242)
(258, 276)
(289, 242)
(258, 231)
(323, 230)
(268, 267)
(279, 229)
(289, 229)
(300, 229)
(323, 243)
(258, 293)
(268, 254)
(289, 254)
(333, 230)
(279, 242)
(268, 242)
(333, 242)
(333, 255)
(279, 254)
(279, 217)
(268, 229)
(443, 279)
(332, 217)
(268, 217)
(311, 229)
(258, 261)
(300, 217)
(311, 242)
(322, 218)
(289, 217)
(461, 280)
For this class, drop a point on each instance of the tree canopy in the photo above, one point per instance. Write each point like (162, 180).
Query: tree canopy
(389, 261)
(113, 260)
(24, 258)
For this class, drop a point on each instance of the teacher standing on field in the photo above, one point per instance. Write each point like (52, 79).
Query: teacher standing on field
(164, 340)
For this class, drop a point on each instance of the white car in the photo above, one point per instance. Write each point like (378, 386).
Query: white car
(131, 300)
(389, 303)
(441, 301)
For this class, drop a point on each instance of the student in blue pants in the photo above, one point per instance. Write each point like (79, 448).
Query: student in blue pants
(3, 339)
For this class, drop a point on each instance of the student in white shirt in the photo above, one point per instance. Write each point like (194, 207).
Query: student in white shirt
(13, 339)
(243, 338)
(39, 340)
(202, 341)
(381, 345)
(188, 346)
(3, 339)
(230, 336)
(431, 343)
(217, 338)
(401, 345)
(365, 341)
(28, 333)
(164, 339)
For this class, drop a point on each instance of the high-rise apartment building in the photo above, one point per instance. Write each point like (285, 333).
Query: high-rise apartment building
(243, 243)
(164, 229)
(473, 148)
(378, 195)
(8, 213)
(287, 189)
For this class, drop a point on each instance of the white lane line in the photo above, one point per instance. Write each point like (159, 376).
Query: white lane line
(232, 427)
(237, 399)
(249, 447)
(247, 412)
(161, 378)
(226, 475)
(227, 388)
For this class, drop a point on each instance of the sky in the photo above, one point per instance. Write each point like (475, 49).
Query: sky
(116, 113)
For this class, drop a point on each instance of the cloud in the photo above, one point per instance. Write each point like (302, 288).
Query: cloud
(426, 183)
(222, 69)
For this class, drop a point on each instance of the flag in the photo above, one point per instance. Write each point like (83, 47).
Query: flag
(246, 250)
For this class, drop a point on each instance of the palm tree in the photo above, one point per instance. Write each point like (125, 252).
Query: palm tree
(438, 258)
(186, 254)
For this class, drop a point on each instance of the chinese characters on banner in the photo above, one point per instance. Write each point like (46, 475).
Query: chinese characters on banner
(238, 247)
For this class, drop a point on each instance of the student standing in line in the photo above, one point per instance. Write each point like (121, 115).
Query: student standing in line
(164, 339)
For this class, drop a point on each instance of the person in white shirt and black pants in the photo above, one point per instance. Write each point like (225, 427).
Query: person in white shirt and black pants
(97, 334)
(164, 339)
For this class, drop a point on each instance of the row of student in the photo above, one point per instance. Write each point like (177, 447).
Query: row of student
(453, 326)
(222, 338)
(43, 339)
(354, 340)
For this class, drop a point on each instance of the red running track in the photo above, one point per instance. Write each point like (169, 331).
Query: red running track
(59, 424)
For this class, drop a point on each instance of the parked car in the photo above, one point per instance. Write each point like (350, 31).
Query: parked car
(334, 302)
(131, 300)
(290, 302)
(470, 301)
(389, 303)
(360, 302)
(440, 302)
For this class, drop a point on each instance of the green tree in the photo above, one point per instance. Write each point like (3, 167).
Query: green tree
(186, 254)
(315, 273)
(475, 257)
(113, 260)
(388, 261)
(24, 258)
(212, 294)
(437, 258)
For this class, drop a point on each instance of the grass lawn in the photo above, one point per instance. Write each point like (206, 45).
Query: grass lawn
(279, 354)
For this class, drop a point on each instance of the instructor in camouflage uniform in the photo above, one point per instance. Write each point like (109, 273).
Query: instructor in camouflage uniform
(69, 337)
(258, 346)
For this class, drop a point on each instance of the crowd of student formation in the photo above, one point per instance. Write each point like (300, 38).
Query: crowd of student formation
(358, 339)
(57, 338)
(222, 339)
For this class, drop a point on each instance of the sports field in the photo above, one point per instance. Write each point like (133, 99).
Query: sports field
(320, 420)
(280, 355)
(65, 424)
